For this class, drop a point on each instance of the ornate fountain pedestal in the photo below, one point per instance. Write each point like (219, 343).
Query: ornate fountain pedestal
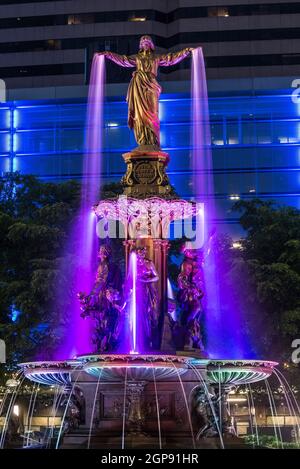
(146, 174)
(135, 415)
(146, 224)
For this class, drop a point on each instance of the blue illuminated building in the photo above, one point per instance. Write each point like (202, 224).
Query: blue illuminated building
(255, 140)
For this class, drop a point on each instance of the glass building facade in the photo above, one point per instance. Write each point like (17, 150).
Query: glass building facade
(255, 144)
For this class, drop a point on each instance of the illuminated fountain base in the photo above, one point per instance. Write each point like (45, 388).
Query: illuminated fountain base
(118, 367)
(135, 395)
(134, 367)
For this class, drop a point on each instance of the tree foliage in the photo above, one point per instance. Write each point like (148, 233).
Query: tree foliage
(272, 258)
(34, 221)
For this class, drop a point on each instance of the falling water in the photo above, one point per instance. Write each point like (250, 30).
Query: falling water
(254, 413)
(291, 407)
(186, 405)
(30, 412)
(170, 290)
(223, 336)
(201, 140)
(276, 426)
(71, 391)
(133, 302)
(129, 321)
(134, 325)
(288, 387)
(9, 411)
(58, 393)
(26, 441)
(83, 235)
(124, 410)
(157, 408)
(3, 402)
(203, 184)
(93, 409)
(220, 402)
(250, 418)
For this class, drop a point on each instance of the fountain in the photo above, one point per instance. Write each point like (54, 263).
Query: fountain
(149, 362)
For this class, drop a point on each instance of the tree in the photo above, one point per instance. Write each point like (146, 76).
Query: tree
(271, 253)
(34, 220)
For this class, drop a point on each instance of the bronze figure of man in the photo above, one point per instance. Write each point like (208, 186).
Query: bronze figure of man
(144, 90)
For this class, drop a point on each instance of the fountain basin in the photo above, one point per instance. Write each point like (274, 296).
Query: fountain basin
(238, 372)
(149, 367)
(51, 373)
(129, 367)
(137, 214)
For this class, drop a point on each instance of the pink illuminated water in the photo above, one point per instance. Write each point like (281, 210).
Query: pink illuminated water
(134, 338)
(130, 330)
(133, 303)
(203, 183)
(83, 239)
(223, 330)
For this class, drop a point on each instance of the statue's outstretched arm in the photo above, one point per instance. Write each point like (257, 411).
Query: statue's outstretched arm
(173, 58)
(122, 60)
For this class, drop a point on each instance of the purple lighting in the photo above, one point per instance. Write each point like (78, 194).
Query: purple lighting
(83, 237)
(222, 319)
(129, 327)
(201, 140)
(136, 334)
(203, 184)
(133, 303)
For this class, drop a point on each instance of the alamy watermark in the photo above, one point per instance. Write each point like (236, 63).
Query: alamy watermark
(2, 91)
(2, 351)
(296, 352)
(296, 93)
(155, 218)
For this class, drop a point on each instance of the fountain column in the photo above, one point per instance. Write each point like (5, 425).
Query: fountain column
(161, 247)
(157, 252)
(135, 417)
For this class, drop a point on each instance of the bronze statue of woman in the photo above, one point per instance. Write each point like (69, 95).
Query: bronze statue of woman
(144, 91)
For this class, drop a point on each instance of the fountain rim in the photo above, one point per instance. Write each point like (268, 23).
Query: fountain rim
(135, 362)
(239, 371)
(140, 367)
(212, 364)
(230, 373)
(150, 358)
(51, 364)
